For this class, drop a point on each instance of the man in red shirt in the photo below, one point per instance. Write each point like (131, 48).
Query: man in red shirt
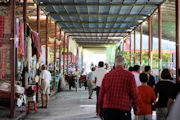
(117, 90)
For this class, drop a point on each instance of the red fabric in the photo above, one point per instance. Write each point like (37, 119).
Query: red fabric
(147, 95)
(21, 40)
(117, 89)
(3, 63)
(1, 29)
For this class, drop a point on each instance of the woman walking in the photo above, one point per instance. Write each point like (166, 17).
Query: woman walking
(163, 92)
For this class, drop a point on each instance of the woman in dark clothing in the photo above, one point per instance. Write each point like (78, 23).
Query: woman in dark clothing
(163, 92)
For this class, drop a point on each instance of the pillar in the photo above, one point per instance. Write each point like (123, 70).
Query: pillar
(149, 51)
(60, 52)
(55, 35)
(38, 19)
(130, 48)
(141, 39)
(134, 47)
(67, 53)
(24, 15)
(160, 36)
(64, 53)
(177, 38)
(12, 13)
(46, 39)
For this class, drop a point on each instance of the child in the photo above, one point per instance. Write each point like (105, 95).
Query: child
(147, 96)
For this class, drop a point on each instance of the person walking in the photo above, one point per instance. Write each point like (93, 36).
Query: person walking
(90, 85)
(77, 74)
(151, 81)
(147, 96)
(163, 90)
(135, 72)
(98, 76)
(117, 90)
(45, 78)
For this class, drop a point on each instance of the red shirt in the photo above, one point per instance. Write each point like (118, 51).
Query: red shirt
(117, 89)
(147, 95)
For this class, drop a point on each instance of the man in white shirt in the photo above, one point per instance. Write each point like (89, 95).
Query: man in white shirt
(99, 75)
(136, 71)
(45, 78)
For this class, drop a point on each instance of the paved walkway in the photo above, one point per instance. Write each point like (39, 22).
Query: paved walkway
(69, 105)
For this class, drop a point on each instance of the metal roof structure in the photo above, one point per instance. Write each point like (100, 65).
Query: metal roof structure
(98, 21)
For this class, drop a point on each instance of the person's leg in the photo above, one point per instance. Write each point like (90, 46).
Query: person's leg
(47, 95)
(159, 114)
(42, 100)
(123, 115)
(97, 94)
(88, 85)
(76, 85)
(148, 117)
(91, 91)
(109, 114)
(47, 100)
(165, 113)
(141, 117)
(116, 114)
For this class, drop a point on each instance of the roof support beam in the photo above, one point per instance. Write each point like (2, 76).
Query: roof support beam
(98, 15)
(80, 33)
(95, 28)
(119, 22)
(17, 4)
(91, 39)
(98, 4)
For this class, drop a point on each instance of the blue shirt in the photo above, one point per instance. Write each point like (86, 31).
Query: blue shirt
(90, 76)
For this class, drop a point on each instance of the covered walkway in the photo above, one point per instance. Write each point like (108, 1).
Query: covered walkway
(63, 28)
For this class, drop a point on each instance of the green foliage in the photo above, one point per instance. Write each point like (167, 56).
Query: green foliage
(145, 59)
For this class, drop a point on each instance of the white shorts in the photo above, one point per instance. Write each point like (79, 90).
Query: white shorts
(45, 88)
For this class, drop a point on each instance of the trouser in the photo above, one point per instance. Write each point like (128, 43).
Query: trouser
(161, 113)
(97, 94)
(145, 117)
(116, 114)
(90, 87)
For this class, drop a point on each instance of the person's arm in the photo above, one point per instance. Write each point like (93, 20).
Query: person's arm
(42, 81)
(172, 97)
(153, 96)
(94, 78)
(156, 89)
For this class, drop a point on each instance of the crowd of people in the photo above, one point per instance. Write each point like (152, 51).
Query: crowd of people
(121, 90)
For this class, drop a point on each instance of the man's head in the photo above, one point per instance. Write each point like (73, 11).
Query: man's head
(101, 64)
(120, 61)
(147, 69)
(136, 68)
(43, 67)
(77, 68)
(93, 68)
(131, 69)
(143, 77)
